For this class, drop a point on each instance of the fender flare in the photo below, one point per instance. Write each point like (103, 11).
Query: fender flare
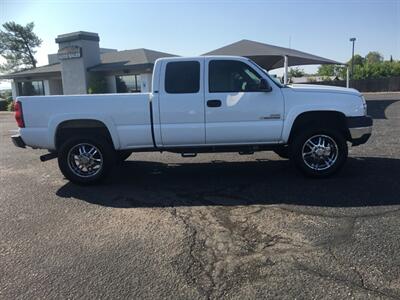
(298, 110)
(55, 122)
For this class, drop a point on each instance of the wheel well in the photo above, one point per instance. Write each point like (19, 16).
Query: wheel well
(70, 128)
(321, 119)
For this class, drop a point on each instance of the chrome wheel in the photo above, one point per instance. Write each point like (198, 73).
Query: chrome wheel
(320, 152)
(85, 160)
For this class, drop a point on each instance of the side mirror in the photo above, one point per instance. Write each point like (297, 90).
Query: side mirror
(264, 86)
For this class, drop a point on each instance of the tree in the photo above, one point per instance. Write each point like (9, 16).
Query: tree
(5, 94)
(17, 46)
(358, 60)
(332, 70)
(296, 72)
(378, 70)
(326, 70)
(372, 66)
(373, 57)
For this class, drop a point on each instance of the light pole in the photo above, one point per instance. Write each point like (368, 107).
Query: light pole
(352, 57)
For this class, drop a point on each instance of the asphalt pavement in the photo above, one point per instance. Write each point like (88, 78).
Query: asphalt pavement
(211, 227)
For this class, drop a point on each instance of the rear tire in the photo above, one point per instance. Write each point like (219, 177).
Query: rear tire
(86, 160)
(319, 153)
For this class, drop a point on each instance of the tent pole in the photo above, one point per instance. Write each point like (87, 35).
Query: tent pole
(347, 78)
(285, 74)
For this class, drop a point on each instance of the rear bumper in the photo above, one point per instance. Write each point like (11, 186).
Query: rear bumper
(17, 141)
(360, 129)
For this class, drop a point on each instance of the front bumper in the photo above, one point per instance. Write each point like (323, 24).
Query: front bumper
(17, 141)
(360, 129)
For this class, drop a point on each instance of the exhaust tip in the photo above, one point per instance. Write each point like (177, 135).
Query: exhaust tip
(48, 156)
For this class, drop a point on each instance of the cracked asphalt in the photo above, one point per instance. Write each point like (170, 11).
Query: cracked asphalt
(218, 226)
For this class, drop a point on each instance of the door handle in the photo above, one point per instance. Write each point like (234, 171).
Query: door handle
(214, 103)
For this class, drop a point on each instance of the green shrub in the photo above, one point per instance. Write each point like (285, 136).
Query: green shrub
(10, 105)
(3, 104)
(97, 84)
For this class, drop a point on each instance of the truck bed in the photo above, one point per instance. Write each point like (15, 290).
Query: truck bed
(127, 116)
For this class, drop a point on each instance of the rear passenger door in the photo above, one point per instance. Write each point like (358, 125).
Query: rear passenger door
(182, 102)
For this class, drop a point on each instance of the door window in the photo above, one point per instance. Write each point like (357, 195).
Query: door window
(182, 77)
(227, 76)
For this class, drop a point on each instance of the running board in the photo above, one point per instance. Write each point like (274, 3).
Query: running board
(189, 154)
(246, 152)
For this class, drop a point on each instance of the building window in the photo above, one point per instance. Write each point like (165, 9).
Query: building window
(182, 77)
(30, 88)
(128, 83)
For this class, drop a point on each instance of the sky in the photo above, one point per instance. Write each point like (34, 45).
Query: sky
(190, 28)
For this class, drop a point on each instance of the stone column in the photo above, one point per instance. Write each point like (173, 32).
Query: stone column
(77, 52)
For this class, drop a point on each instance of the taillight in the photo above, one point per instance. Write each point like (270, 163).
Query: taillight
(19, 117)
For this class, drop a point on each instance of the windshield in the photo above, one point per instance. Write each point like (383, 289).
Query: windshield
(274, 79)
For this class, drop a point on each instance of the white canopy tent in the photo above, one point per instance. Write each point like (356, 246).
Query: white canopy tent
(272, 57)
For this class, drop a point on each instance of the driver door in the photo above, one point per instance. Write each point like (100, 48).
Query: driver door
(237, 111)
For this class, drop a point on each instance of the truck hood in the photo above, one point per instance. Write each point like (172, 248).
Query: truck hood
(322, 89)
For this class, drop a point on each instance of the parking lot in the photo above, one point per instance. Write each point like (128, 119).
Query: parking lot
(214, 226)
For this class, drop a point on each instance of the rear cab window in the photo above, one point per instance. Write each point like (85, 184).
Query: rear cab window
(182, 77)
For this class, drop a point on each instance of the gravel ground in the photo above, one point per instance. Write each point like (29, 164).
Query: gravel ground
(215, 226)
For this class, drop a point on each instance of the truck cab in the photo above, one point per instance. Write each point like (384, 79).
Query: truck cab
(216, 101)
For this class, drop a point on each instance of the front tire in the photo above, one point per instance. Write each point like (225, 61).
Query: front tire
(319, 153)
(86, 160)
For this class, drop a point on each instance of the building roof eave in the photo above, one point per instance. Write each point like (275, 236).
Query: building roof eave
(52, 69)
(122, 67)
(32, 75)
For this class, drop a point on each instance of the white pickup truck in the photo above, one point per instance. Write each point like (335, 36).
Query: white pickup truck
(197, 105)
